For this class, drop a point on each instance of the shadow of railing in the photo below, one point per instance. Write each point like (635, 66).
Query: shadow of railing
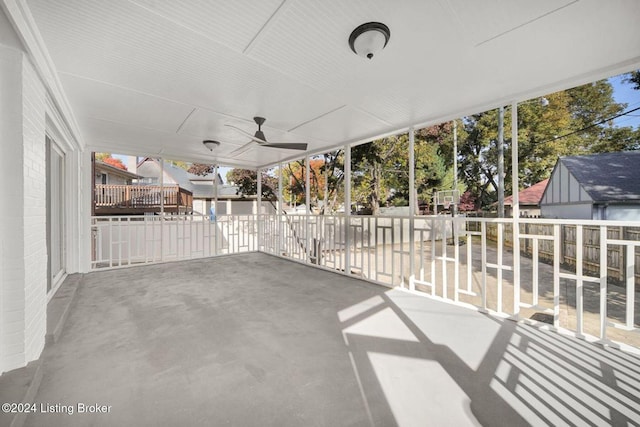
(523, 375)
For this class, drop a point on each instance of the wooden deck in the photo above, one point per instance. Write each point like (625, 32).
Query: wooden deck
(141, 199)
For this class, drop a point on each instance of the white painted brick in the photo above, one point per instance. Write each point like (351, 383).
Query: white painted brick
(23, 227)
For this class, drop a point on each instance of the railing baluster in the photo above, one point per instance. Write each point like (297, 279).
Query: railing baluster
(483, 251)
(630, 282)
(556, 275)
(603, 282)
(579, 283)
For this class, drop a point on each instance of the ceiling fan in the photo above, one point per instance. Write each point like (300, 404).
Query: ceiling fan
(261, 140)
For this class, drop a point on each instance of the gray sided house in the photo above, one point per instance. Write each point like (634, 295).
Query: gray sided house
(203, 188)
(602, 186)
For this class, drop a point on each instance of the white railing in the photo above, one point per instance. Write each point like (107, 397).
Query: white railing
(554, 277)
(119, 241)
(578, 276)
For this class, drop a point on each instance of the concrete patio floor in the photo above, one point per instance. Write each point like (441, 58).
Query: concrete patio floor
(256, 340)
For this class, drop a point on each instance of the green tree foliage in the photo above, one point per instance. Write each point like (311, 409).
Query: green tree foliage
(381, 170)
(633, 78)
(574, 122)
(326, 180)
(247, 182)
(180, 164)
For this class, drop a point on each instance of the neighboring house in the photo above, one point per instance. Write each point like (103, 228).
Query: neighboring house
(202, 187)
(107, 174)
(598, 186)
(528, 200)
(120, 192)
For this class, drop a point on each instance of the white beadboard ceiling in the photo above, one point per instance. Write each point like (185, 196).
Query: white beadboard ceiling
(159, 76)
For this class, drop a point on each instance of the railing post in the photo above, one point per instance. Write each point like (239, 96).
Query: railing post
(347, 208)
(579, 283)
(603, 282)
(630, 282)
(556, 275)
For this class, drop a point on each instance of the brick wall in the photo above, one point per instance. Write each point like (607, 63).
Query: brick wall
(12, 296)
(35, 210)
(23, 265)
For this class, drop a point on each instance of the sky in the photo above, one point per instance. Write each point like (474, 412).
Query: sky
(622, 93)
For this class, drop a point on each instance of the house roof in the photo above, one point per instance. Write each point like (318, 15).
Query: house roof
(607, 177)
(531, 195)
(100, 165)
(196, 184)
(146, 77)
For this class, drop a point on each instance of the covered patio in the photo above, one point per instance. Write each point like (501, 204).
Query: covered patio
(275, 318)
(287, 344)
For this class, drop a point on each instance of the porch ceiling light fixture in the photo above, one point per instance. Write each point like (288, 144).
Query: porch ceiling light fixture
(369, 39)
(211, 144)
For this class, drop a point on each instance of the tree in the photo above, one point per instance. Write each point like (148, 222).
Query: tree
(247, 182)
(573, 122)
(633, 78)
(368, 164)
(201, 169)
(112, 161)
(326, 179)
(180, 164)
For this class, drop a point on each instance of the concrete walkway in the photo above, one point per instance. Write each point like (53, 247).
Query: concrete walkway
(254, 340)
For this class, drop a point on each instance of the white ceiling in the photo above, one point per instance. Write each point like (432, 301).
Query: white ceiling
(159, 76)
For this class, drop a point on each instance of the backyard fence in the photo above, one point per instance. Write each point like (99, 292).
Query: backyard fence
(616, 254)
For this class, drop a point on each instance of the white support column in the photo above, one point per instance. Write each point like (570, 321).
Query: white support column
(516, 210)
(85, 202)
(412, 209)
(347, 209)
(307, 198)
(217, 228)
(161, 160)
(455, 155)
(501, 162)
(259, 208)
(280, 210)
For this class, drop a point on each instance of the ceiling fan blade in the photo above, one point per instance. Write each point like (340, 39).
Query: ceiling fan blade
(264, 143)
(242, 149)
(253, 138)
(287, 145)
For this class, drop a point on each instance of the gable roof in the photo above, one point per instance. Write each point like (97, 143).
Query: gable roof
(196, 184)
(100, 165)
(607, 177)
(531, 195)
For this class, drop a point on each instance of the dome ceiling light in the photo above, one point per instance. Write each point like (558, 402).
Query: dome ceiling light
(369, 39)
(211, 144)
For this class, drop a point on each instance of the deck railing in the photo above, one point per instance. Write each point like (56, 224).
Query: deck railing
(582, 284)
(120, 241)
(141, 196)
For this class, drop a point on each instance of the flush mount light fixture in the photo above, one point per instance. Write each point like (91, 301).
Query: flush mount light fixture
(369, 39)
(211, 144)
